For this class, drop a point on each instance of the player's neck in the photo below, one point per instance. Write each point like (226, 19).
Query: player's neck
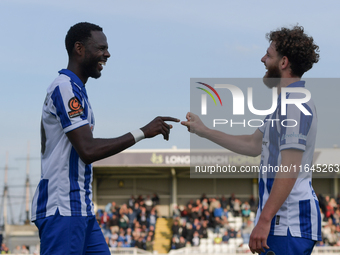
(73, 67)
(285, 82)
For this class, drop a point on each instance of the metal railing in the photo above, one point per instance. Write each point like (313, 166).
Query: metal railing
(325, 250)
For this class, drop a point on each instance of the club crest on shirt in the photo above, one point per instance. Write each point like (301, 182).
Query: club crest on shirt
(76, 108)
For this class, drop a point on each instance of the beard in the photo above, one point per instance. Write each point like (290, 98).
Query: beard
(90, 66)
(273, 76)
(90, 69)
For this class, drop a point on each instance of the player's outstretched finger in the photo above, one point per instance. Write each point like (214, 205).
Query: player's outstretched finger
(259, 247)
(185, 123)
(170, 119)
(264, 244)
(251, 246)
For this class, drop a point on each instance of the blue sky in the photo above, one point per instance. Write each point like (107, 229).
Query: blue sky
(156, 46)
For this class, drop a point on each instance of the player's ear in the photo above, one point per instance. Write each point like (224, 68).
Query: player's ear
(79, 48)
(284, 63)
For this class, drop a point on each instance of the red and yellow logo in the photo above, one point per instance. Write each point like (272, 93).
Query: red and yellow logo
(75, 106)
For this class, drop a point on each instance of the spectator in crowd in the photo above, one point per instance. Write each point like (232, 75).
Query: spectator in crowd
(131, 201)
(140, 243)
(136, 209)
(112, 242)
(224, 202)
(149, 244)
(252, 203)
(333, 203)
(4, 249)
(17, 250)
(231, 202)
(232, 233)
(132, 217)
(203, 231)
(225, 237)
(218, 211)
(155, 199)
(245, 211)
(104, 223)
(207, 217)
(176, 212)
(205, 203)
(153, 217)
(329, 208)
(108, 207)
(181, 243)
(151, 234)
(196, 223)
(217, 239)
(214, 204)
(140, 200)
(216, 224)
(99, 214)
(175, 229)
(332, 237)
(189, 232)
(237, 207)
(142, 217)
(148, 203)
(336, 217)
(195, 240)
(123, 221)
(114, 224)
(128, 236)
(121, 237)
(204, 196)
(37, 250)
(174, 242)
(246, 231)
(225, 216)
(24, 250)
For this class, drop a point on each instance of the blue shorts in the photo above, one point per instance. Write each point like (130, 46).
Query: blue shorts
(71, 235)
(283, 245)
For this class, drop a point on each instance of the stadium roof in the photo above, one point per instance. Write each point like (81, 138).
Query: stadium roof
(183, 157)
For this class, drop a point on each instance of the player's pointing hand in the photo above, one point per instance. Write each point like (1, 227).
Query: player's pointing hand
(194, 124)
(158, 126)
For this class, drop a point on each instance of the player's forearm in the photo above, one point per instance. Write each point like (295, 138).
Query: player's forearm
(103, 148)
(92, 149)
(242, 144)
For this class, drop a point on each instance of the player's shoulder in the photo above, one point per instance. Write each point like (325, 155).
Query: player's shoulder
(62, 82)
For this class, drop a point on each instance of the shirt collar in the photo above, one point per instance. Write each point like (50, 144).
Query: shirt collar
(297, 84)
(73, 77)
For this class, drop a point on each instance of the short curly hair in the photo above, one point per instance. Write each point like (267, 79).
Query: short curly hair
(297, 46)
(80, 32)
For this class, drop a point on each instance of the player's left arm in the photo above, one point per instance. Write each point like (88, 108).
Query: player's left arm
(282, 186)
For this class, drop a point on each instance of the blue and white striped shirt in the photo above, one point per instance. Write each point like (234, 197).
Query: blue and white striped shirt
(65, 179)
(300, 213)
